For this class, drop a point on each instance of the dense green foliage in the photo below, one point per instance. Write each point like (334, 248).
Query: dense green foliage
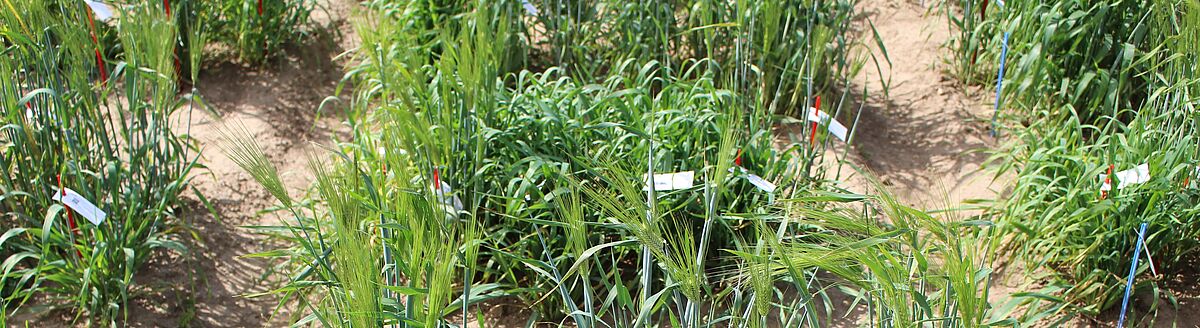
(797, 49)
(1090, 86)
(255, 30)
(469, 178)
(112, 140)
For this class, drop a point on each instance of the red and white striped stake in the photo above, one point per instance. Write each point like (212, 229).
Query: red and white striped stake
(1107, 181)
(1137, 175)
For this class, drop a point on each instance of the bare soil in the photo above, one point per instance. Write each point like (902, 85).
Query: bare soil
(217, 284)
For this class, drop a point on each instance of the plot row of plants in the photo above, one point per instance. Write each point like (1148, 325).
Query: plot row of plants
(466, 180)
(799, 48)
(1091, 90)
(92, 113)
(70, 123)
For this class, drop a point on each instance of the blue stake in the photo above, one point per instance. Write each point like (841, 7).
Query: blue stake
(1137, 250)
(1000, 81)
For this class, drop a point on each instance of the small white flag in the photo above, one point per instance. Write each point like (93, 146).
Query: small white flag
(1126, 178)
(31, 116)
(837, 129)
(529, 8)
(755, 180)
(102, 11)
(447, 197)
(85, 207)
(761, 183)
(672, 181)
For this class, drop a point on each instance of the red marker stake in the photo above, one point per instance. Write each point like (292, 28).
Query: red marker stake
(70, 217)
(437, 183)
(167, 6)
(260, 13)
(96, 41)
(1107, 180)
(738, 160)
(812, 137)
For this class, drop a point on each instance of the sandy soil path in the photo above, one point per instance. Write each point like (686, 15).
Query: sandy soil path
(926, 138)
(278, 105)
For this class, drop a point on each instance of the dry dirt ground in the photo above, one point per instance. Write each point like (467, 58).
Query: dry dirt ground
(925, 142)
(277, 104)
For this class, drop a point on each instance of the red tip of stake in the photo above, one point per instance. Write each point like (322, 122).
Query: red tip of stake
(167, 6)
(738, 160)
(437, 182)
(1107, 180)
(99, 58)
(100, 64)
(260, 7)
(812, 136)
(983, 10)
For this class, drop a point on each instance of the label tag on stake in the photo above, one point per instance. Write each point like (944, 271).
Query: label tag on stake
(447, 197)
(529, 8)
(672, 181)
(757, 181)
(85, 207)
(1126, 178)
(761, 183)
(101, 10)
(837, 129)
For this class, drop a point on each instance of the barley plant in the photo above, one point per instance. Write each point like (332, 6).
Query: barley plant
(255, 31)
(104, 126)
(1091, 89)
(470, 177)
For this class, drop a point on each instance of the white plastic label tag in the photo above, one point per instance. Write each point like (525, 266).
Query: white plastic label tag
(102, 11)
(85, 207)
(447, 197)
(1126, 178)
(529, 8)
(672, 181)
(761, 183)
(837, 129)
